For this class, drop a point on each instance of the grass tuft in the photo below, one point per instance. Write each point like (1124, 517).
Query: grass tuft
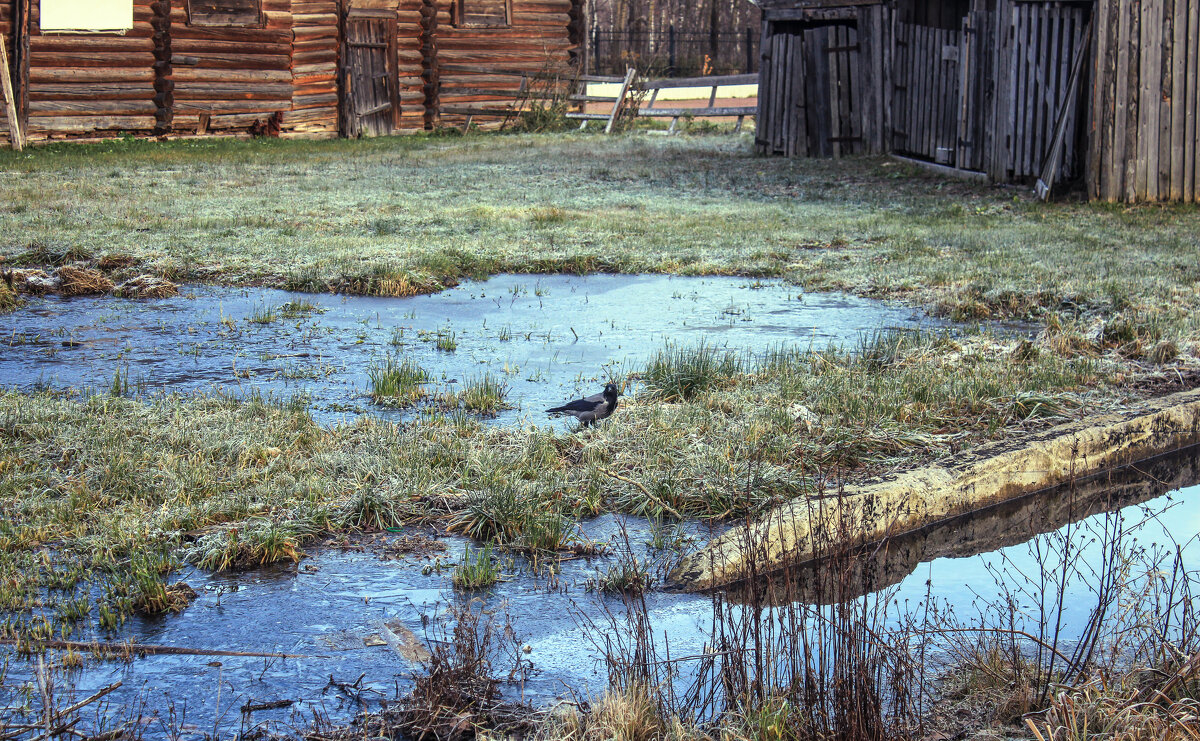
(476, 571)
(683, 373)
(485, 394)
(397, 382)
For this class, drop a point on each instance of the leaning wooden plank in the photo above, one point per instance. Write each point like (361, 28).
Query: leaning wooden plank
(616, 109)
(10, 100)
(587, 116)
(1050, 166)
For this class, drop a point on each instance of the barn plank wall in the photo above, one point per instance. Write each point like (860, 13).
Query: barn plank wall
(1145, 102)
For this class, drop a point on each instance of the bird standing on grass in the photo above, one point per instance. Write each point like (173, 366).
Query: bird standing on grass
(591, 408)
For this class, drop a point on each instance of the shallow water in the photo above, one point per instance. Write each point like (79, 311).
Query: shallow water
(331, 607)
(551, 338)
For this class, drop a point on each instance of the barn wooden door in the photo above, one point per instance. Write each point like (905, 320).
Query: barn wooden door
(811, 98)
(927, 111)
(370, 76)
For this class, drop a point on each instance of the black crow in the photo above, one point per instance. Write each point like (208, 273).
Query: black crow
(591, 408)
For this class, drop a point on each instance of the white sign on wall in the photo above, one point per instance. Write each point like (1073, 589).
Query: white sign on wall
(87, 15)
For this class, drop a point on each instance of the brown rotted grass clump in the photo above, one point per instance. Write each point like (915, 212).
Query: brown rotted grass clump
(75, 281)
(8, 298)
(147, 286)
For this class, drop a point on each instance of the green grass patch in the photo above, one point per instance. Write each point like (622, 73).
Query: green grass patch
(476, 570)
(405, 215)
(398, 382)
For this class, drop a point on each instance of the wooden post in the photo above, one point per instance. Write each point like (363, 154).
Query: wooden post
(10, 100)
(620, 102)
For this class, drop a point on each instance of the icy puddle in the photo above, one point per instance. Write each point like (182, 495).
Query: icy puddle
(549, 338)
(355, 621)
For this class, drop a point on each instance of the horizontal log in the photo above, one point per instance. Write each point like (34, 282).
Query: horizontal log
(91, 59)
(106, 91)
(85, 124)
(183, 75)
(238, 61)
(90, 43)
(231, 106)
(697, 82)
(325, 100)
(83, 76)
(213, 46)
(311, 70)
(91, 107)
(254, 35)
(315, 32)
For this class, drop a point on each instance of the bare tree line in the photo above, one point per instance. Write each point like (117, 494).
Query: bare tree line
(708, 36)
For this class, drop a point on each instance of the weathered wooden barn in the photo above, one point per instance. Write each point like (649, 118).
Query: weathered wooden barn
(1102, 92)
(88, 68)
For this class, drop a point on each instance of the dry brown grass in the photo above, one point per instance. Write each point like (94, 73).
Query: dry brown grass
(75, 281)
(146, 286)
(1128, 709)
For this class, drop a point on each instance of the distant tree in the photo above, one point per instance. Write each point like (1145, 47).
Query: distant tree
(709, 34)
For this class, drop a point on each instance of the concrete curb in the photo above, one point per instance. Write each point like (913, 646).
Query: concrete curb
(870, 512)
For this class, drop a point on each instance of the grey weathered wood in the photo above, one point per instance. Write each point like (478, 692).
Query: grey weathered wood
(1133, 113)
(620, 101)
(1099, 102)
(1052, 164)
(10, 99)
(764, 124)
(835, 42)
(819, 133)
(676, 82)
(1178, 99)
(697, 112)
(1147, 122)
(1191, 137)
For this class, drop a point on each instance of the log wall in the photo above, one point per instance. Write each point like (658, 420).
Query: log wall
(536, 41)
(1145, 98)
(314, 69)
(166, 77)
(228, 78)
(87, 84)
(6, 16)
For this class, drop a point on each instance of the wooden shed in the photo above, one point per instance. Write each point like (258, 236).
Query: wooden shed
(91, 68)
(1101, 92)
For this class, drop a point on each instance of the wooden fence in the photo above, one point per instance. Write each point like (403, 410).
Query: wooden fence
(1146, 101)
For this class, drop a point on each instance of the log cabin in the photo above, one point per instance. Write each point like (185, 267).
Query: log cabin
(1099, 93)
(84, 69)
